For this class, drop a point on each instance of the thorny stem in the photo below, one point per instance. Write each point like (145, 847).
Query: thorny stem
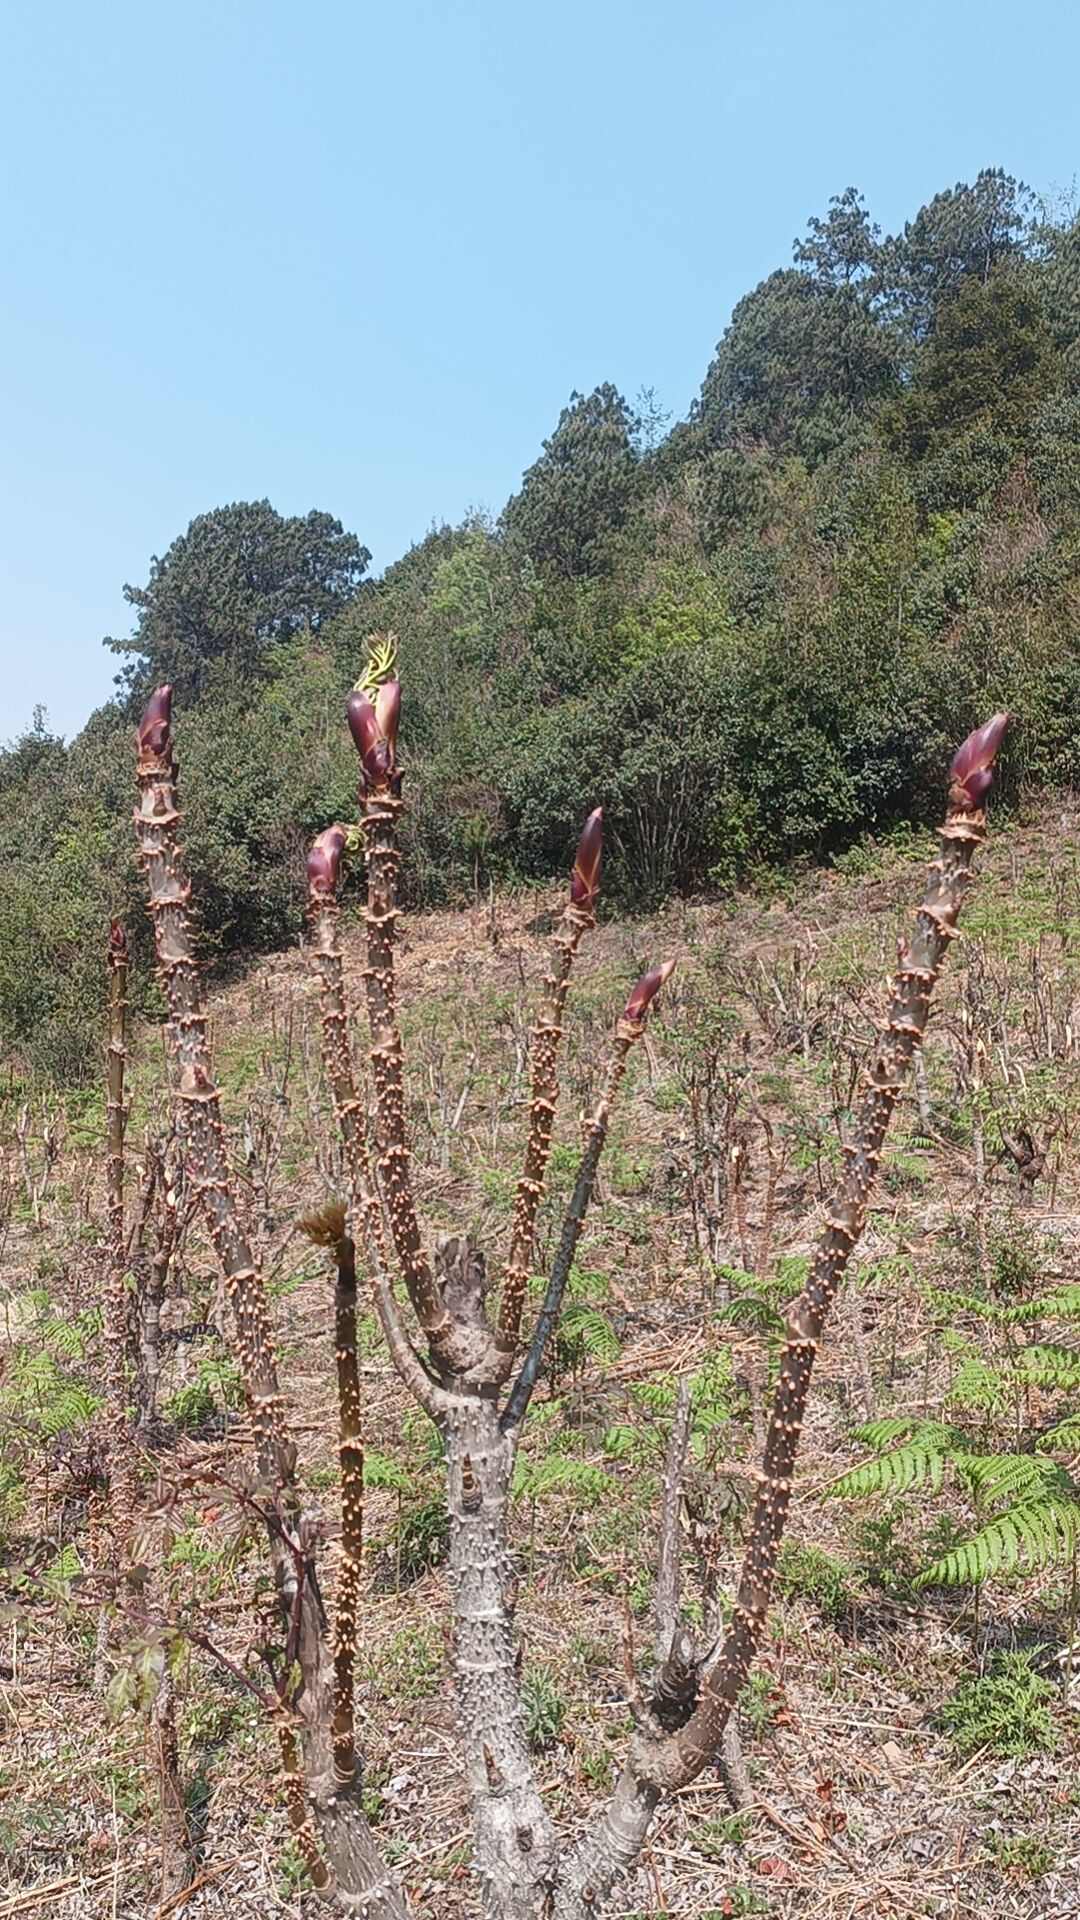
(296, 1804)
(655, 1767)
(626, 1033)
(913, 984)
(157, 820)
(359, 1874)
(351, 1455)
(351, 1119)
(544, 1044)
(122, 1476)
(379, 820)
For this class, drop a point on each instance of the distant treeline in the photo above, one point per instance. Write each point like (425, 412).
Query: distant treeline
(753, 634)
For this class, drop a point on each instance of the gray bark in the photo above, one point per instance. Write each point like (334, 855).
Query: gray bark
(515, 1843)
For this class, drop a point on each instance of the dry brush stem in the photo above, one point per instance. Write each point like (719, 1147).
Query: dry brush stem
(351, 1459)
(357, 1874)
(656, 1767)
(123, 1478)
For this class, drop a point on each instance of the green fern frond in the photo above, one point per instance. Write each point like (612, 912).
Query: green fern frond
(979, 1387)
(622, 1442)
(41, 1393)
(1062, 1304)
(1055, 1367)
(711, 1392)
(558, 1472)
(908, 1426)
(585, 1330)
(910, 1466)
(1064, 1438)
(65, 1567)
(997, 1313)
(656, 1396)
(586, 1284)
(736, 1279)
(1036, 1534)
(749, 1310)
(997, 1479)
(71, 1408)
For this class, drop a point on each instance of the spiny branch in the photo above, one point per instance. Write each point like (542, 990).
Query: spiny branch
(157, 820)
(628, 1031)
(358, 1872)
(544, 1042)
(374, 724)
(123, 1483)
(323, 870)
(655, 1767)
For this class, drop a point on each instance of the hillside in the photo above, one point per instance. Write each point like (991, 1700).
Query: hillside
(753, 634)
(881, 1782)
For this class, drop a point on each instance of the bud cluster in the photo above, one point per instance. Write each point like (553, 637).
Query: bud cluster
(585, 878)
(972, 768)
(155, 727)
(646, 990)
(324, 861)
(374, 728)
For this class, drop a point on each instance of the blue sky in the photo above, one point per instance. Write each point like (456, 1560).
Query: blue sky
(356, 256)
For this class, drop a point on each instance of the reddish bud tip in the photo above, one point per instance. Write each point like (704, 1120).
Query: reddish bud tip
(972, 767)
(154, 727)
(118, 946)
(324, 860)
(585, 879)
(646, 991)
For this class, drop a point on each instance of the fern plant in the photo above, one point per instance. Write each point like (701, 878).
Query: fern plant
(585, 1333)
(1028, 1505)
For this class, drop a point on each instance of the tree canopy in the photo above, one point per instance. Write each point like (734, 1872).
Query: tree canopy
(240, 579)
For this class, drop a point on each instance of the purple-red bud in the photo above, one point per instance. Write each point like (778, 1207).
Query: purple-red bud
(154, 727)
(362, 723)
(388, 712)
(585, 879)
(374, 728)
(324, 861)
(972, 767)
(646, 990)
